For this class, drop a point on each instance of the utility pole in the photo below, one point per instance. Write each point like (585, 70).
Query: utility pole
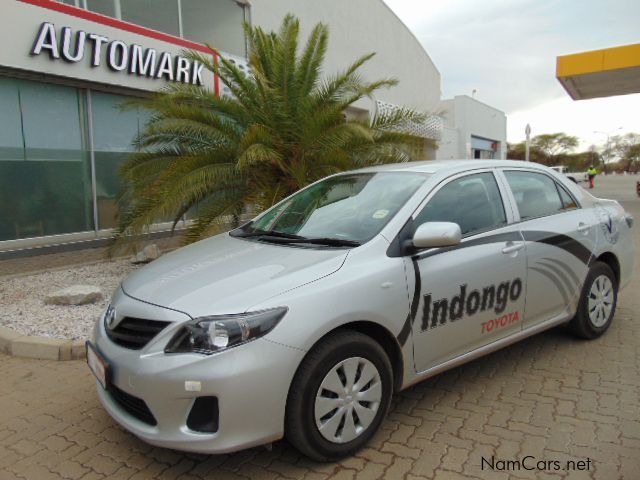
(527, 132)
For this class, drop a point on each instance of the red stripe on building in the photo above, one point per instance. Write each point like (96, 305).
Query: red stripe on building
(216, 78)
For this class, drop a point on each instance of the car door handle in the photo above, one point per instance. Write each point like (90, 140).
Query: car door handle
(583, 227)
(513, 247)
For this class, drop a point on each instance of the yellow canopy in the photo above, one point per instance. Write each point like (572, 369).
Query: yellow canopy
(600, 73)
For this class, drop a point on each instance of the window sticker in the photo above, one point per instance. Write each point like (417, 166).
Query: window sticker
(380, 214)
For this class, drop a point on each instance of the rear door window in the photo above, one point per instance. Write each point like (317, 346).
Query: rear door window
(568, 203)
(536, 194)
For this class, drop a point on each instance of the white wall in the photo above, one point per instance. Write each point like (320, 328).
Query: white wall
(358, 27)
(469, 117)
(449, 145)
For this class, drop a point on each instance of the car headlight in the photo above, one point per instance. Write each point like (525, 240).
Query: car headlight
(109, 316)
(629, 219)
(209, 335)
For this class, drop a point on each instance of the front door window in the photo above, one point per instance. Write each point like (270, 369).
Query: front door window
(473, 202)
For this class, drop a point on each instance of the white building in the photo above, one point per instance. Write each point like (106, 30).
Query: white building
(67, 65)
(472, 129)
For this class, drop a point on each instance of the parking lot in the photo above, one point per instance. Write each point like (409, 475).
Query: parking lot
(550, 397)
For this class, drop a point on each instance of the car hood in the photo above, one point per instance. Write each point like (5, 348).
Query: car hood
(223, 274)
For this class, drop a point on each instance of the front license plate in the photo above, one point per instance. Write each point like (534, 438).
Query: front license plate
(97, 365)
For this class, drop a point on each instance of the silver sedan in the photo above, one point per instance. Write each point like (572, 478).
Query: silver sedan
(303, 322)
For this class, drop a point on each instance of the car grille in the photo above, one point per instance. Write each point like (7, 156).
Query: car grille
(135, 333)
(134, 406)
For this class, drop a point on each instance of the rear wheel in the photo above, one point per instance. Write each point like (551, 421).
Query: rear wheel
(597, 302)
(339, 396)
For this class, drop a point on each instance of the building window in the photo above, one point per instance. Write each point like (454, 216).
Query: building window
(483, 148)
(105, 7)
(161, 15)
(217, 23)
(214, 22)
(45, 173)
(75, 3)
(11, 140)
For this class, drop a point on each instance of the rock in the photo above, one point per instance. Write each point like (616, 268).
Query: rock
(148, 253)
(75, 295)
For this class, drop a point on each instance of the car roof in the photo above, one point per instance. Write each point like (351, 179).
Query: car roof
(448, 166)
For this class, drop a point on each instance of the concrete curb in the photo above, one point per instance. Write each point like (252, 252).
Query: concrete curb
(43, 348)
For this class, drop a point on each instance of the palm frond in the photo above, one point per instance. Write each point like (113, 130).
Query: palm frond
(214, 158)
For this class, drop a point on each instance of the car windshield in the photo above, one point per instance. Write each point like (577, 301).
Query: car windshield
(351, 208)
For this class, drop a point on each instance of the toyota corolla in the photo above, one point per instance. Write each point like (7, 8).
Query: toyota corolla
(304, 321)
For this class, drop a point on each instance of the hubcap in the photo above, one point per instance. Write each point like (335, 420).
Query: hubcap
(348, 399)
(600, 301)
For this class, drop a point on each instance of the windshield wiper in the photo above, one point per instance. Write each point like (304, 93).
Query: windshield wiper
(332, 242)
(283, 237)
(268, 233)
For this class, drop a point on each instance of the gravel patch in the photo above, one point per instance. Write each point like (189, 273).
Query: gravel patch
(23, 310)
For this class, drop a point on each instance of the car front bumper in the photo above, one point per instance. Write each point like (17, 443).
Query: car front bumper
(250, 382)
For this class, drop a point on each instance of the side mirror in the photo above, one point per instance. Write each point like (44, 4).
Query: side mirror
(437, 234)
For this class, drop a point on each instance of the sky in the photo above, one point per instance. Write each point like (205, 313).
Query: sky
(506, 50)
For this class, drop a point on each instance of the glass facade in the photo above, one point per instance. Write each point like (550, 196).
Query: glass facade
(45, 174)
(114, 130)
(214, 22)
(61, 147)
(45, 159)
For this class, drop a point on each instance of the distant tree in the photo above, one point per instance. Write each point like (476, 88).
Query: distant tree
(517, 151)
(625, 149)
(621, 153)
(632, 158)
(593, 157)
(553, 144)
(579, 162)
(610, 153)
(547, 149)
(556, 151)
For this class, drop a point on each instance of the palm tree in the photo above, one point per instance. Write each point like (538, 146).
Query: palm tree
(283, 128)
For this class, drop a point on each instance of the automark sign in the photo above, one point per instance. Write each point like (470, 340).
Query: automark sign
(115, 54)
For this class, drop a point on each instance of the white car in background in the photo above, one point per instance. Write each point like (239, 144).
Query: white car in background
(303, 322)
(575, 177)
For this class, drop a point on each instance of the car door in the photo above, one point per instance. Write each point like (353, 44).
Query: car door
(472, 294)
(560, 237)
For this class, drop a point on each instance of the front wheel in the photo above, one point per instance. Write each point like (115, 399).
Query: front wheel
(339, 396)
(597, 304)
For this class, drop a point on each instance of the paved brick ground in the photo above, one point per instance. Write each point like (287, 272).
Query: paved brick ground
(551, 397)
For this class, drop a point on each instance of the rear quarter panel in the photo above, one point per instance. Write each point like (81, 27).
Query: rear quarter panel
(615, 236)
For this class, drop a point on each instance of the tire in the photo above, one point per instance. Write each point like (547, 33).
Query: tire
(357, 356)
(588, 324)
